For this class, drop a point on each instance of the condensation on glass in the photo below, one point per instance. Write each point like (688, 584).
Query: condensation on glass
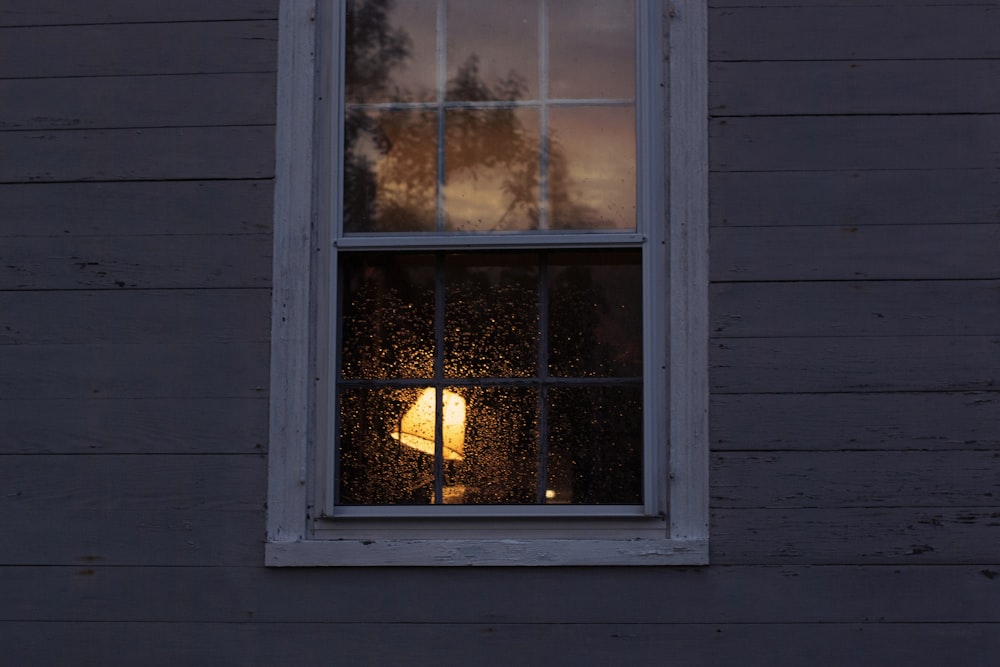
(504, 377)
(485, 116)
(535, 359)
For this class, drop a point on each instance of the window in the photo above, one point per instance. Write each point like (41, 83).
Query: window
(489, 328)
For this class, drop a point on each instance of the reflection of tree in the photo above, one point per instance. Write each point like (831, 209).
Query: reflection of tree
(374, 49)
(390, 155)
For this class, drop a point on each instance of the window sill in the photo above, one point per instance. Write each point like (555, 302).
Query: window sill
(486, 552)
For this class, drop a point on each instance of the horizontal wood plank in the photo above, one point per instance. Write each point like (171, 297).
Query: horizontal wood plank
(855, 198)
(215, 484)
(174, 538)
(190, 153)
(912, 363)
(810, 143)
(884, 252)
(60, 12)
(892, 536)
(219, 370)
(854, 87)
(852, 479)
(879, 421)
(135, 426)
(668, 645)
(843, 3)
(136, 208)
(780, 594)
(855, 308)
(877, 31)
(137, 101)
(113, 262)
(152, 48)
(126, 316)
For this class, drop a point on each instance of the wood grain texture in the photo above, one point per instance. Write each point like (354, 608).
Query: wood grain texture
(132, 483)
(137, 101)
(874, 421)
(884, 252)
(135, 208)
(846, 3)
(295, 351)
(856, 308)
(126, 316)
(114, 262)
(176, 538)
(850, 479)
(204, 370)
(855, 198)
(894, 536)
(877, 31)
(912, 363)
(190, 153)
(854, 87)
(796, 507)
(152, 48)
(67, 12)
(810, 143)
(225, 541)
(778, 594)
(500, 644)
(134, 426)
(134, 509)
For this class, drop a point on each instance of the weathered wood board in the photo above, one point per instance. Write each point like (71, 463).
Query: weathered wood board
(136, 208)
(116, 102)
(733, 594)
(884, 421)
(73, 12)
(196, 47)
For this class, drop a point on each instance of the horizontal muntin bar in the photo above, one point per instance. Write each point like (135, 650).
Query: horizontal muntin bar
(355, 383)
(490, 104)
(484, 510)
(526, 240)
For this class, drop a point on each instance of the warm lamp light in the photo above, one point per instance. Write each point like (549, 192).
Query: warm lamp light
(416, 429)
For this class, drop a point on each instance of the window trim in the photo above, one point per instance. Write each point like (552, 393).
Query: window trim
(299, 266)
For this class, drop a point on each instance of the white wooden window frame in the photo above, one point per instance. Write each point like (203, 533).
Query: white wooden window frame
(303, 529)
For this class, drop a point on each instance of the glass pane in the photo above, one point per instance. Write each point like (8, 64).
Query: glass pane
(491, 167)
(491, 315)
(387, 315)
(595, 446)
(389, 167)
(492, 50)
(375, 467)
(595, 314)
(489, 438)
(500, 457)
(591, 49)
(591, 181)
(390, 48)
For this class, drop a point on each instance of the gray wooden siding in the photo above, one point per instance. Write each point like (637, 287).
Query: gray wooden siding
(855, 304)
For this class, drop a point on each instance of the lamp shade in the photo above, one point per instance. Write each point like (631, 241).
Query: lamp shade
(416, 429)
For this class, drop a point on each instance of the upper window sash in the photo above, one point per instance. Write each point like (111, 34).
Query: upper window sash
(645, 147)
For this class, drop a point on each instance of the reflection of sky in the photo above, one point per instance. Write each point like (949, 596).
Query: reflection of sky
(591, 56)
(503, 35)
(591, 50)
(599, 143)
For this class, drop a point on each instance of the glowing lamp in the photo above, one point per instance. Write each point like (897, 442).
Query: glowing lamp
(416, 429)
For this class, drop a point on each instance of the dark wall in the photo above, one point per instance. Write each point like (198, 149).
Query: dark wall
(855, 211)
